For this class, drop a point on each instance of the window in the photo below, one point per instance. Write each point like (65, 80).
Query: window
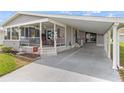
(22, 31)
(60, 35)
(7, 34)
(37, 33)
(15, 34)
(31, 32)
(26, 32)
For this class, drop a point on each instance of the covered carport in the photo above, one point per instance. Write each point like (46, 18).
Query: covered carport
(106, 29)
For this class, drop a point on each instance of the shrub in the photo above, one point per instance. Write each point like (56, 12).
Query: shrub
(14, 52)
(7, 64)
(1, 46)
(6, 49)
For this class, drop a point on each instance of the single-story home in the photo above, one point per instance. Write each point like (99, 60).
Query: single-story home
(1, 35)
(49, 34)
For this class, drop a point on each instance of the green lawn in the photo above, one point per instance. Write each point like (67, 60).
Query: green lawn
(7, 64)
(122, 54)
(121, 72)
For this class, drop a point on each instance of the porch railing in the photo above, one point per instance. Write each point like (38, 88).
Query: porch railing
(30, 41)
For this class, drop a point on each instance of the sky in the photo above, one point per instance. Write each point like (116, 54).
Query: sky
(4, 15)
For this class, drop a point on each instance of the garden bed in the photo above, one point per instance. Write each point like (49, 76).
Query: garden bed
(121, 73)
(28, 56)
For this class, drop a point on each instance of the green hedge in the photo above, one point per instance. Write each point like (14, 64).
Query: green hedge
(6, 49)
(7, 64)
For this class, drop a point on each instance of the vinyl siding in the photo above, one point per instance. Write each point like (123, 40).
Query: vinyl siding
(23, 19)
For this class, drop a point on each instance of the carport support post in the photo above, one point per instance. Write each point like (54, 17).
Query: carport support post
(55, 37)
(41, 35)
(115, 47)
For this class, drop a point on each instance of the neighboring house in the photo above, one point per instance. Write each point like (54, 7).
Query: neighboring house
(122, 37)
(121, 33)
(50, 34)
(1, 35)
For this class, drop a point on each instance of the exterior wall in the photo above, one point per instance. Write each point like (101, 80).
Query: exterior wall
(72, 36)
(100, 40)
(12, 43)
(70, 39)
(81, 37)
(23, 19)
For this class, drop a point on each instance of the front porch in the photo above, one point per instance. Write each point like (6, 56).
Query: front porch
(44, 35)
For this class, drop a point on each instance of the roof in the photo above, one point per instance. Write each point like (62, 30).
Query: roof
(85, 23)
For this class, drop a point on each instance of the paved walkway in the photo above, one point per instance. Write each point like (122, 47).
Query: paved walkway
(88, 63)
(40, 73)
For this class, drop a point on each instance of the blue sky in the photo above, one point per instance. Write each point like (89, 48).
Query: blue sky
(4, 15)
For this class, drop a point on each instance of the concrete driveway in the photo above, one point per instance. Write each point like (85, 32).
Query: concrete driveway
(88, 63)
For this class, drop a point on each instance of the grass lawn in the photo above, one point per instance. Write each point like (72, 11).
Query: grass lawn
(122, 54)
(10, 63)
(121, 72)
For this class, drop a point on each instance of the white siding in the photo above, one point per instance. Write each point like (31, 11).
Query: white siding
(100, 40)
(23, 19)
(14, 44)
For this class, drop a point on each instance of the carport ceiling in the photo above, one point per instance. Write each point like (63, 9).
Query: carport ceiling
(87, 26)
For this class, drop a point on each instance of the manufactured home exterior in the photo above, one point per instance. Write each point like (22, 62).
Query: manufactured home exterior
(50, 34)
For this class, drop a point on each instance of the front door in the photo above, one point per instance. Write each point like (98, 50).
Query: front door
(48, 38)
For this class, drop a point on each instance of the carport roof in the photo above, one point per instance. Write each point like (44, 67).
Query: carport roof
(84, 23)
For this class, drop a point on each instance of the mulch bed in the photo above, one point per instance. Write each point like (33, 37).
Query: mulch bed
(121, 73)
(30, 55)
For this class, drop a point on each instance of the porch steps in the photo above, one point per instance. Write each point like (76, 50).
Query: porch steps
(48, 51)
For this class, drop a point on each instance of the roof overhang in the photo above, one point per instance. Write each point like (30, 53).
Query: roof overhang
(84, 23)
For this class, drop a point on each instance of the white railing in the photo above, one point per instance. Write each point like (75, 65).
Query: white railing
(30, 41)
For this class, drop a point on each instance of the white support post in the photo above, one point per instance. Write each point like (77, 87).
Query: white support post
(115, 46)
(19, 31)
(105, 42)
(5, 32)
(55, 36)
(65, 34)
(118, 50)
(41, 45)
(11, 33)
(71, 36)
(109, 44)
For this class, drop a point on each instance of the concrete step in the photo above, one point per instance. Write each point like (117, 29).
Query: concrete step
(48, 51)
